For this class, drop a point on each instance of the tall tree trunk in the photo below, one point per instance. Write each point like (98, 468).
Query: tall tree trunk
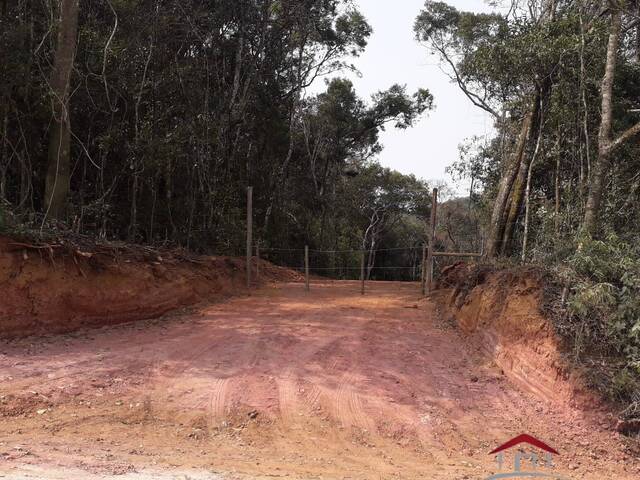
(59, 158)
(517, 191)
(585, 117)
(556, 189)
(514, 204)
(594, 198)
(527, 209)
(499, 217)
(606, 146)
(508, 202)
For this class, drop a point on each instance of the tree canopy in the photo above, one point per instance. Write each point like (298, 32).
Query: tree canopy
(146, 120)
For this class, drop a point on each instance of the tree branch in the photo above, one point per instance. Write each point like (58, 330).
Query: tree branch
(624, 137)
(475, 99)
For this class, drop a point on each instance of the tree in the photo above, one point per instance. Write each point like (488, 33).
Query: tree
(607, 146)
(59, 159)
(523, 65)
(176, 107)
(481, 53)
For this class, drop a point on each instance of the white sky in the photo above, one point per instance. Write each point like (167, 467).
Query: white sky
(394, 56)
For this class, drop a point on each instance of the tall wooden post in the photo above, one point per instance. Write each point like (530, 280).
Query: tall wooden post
(306, 267)
(257, 262)
(423, 270)
(431, 233)
(362, 273)
(249, 233)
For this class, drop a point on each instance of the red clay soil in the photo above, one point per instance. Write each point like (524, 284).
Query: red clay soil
(60, 289)
(284, 383)
(500, 310)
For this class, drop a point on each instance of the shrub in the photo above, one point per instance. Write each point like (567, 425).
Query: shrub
(603, 317)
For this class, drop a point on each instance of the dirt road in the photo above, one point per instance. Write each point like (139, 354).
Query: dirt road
(325, 384)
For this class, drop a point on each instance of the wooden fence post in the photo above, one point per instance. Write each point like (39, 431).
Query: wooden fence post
(423, 270)
(249, 233)
(362, 273)
(258, 262)
(306, 267)
(431, 238)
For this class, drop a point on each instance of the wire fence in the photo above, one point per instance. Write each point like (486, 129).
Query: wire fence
(383, 264)
(400, 263)
(455, 235)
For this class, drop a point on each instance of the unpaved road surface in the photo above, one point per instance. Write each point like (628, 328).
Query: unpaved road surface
(285, 383)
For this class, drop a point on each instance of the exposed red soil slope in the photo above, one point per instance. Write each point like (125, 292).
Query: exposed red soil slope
(500, 311)
(54, 289)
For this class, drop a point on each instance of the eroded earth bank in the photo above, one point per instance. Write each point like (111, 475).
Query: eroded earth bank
(282, 382)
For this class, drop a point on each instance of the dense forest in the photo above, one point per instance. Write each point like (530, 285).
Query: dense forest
(147, 120)
(561, 81)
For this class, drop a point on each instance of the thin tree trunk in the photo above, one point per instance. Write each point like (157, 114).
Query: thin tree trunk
(606, 145)
(527, 194)
(594, 198)
(498, 217)
(4, 156)
(585, 106)
(556, 216)
(514, 205)
(57, 182)
(372, 259)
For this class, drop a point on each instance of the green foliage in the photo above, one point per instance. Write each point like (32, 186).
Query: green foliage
(182, 104)
(555, 52)
(334, 188)
(604, 305)
(476, 49)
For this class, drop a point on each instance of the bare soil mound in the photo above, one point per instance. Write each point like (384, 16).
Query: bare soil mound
(501, 312)
(58, 287)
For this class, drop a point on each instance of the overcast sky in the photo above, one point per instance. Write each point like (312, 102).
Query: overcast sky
(393, 56)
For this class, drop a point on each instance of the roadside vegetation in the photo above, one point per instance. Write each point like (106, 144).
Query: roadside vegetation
(558, 184)
(602, 317)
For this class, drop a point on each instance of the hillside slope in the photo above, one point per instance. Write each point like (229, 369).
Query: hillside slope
(58, 288)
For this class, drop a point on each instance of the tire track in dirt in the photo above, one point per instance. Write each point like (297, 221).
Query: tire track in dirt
(194, 355)
(327, 380)
(311, 397)
(339, 358)
(348, 406)
(287, 396)
(289, 383)
(218, 399)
